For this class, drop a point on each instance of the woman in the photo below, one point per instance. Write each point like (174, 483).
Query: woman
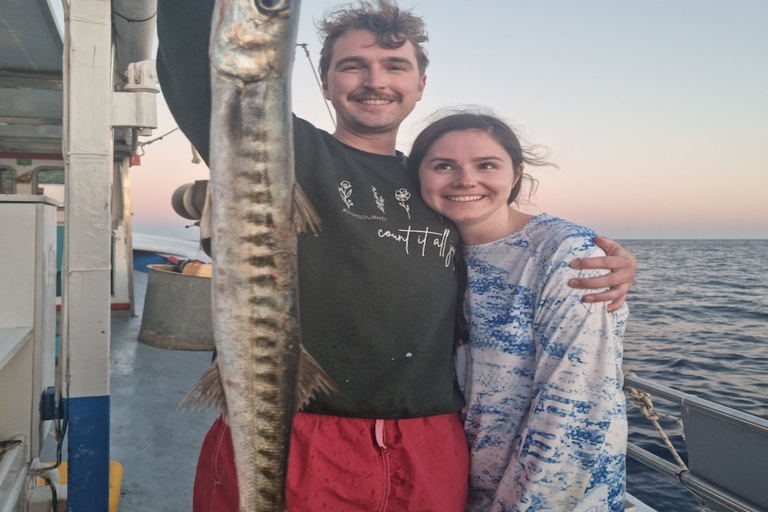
(541, 373)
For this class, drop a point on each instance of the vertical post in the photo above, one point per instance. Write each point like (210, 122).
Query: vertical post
(124, 174)
(88, 155)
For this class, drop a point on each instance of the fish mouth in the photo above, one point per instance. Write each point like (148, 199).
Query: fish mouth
(464, 199)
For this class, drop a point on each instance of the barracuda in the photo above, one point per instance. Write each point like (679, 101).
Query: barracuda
(261, 373)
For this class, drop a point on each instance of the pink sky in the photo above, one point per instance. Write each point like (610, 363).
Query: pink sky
(658, 123)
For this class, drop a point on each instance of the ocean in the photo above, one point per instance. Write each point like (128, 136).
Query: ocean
(698, 323)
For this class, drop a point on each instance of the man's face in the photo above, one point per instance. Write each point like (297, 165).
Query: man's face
(372, 88)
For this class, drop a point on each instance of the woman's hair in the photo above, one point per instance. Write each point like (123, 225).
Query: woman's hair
(391, 26)
(499, 130)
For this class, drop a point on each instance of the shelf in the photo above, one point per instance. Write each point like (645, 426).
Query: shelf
(11, 341)
(24, 198)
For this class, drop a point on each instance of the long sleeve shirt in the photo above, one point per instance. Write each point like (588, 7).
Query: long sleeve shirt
(542, 377)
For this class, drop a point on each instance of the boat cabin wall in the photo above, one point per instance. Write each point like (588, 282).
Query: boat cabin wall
(44, 175)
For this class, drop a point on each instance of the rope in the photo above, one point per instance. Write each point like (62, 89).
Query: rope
(644, 403)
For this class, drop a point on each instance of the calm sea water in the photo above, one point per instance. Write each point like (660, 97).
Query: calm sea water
(698, 323)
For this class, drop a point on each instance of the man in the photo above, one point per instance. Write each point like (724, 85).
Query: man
(378, 287)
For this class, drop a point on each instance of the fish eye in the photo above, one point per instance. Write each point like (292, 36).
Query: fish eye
(272, 6)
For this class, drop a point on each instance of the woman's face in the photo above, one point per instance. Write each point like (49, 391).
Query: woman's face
(467, 177)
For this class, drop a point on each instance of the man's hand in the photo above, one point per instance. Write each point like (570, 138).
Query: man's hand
(623, 267)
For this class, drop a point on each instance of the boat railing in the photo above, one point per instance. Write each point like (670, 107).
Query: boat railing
(727, 466)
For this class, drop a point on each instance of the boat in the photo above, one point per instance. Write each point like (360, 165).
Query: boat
(78, 387)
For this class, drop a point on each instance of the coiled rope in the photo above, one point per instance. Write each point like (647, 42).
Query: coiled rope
(645, 404)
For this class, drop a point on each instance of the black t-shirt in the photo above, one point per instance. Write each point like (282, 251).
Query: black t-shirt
(377, 284)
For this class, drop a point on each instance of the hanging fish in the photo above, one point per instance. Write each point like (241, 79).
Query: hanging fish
(261, 373)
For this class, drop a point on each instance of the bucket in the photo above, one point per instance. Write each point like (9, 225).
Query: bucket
(177, 310)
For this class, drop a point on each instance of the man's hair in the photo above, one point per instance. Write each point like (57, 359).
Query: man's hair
(391, 26)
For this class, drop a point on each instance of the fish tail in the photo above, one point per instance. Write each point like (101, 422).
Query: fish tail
(312, 379)
(208, 392)
(303, 215)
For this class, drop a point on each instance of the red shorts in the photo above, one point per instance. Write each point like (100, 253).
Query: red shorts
(351, 465)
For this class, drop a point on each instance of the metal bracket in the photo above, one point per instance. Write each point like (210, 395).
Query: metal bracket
(49, 409)
(142, 77)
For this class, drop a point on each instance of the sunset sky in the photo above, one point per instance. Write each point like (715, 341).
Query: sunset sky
(655, 111)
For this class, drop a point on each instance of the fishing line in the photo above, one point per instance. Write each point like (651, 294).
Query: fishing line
(157, 138)
(131, 20)
(146, 143)
(317, 79)
(319, 86)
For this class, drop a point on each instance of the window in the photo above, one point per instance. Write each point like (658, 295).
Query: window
(50, 182)
(7, 181)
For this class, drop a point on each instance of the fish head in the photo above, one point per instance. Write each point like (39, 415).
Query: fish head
(253, 39)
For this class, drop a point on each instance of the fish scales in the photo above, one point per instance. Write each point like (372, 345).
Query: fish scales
(256, 332)
(260, 362)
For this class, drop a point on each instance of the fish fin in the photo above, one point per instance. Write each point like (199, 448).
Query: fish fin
(208, 392)
(312, 379)
(304, 214)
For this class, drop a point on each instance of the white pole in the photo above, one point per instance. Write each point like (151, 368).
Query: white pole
(88, 155)
(92, 109)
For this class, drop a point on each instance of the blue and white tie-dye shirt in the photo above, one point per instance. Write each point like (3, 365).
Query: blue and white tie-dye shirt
(542, 377)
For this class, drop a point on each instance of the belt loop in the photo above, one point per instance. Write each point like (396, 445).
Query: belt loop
(379, 430)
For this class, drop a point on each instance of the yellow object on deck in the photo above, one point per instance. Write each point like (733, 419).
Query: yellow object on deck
(198, 269)
(115, 481)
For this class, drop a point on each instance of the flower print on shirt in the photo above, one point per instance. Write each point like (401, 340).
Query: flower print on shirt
(345, 190)
(379, 200)
(402, 195)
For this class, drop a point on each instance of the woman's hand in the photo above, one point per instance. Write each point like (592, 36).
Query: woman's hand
(623, 267)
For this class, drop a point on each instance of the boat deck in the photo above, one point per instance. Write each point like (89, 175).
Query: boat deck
(156, 444)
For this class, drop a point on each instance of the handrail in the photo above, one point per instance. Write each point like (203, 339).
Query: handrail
(680, 398)
(696, 485)
(705, 490)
